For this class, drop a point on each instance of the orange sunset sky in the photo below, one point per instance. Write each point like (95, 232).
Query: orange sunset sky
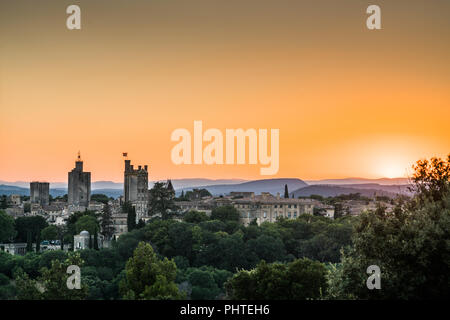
(348, 101)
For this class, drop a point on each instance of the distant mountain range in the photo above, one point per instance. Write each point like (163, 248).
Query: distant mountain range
(267, 185)
(198, 182)
(177, 183)
(367, 190)
(346, 181)
(328, 187)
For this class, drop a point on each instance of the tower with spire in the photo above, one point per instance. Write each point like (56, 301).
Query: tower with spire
(79, 186)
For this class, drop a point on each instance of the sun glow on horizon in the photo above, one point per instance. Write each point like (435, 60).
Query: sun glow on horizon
(392, 170)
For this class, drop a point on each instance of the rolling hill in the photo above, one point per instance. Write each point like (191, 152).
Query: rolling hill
(266, 185)
(367, 190)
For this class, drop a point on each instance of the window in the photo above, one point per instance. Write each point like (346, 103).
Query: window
(265, 214)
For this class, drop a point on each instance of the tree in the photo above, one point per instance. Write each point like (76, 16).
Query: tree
(7, 289)
(338, 210)
(170, 186)
(140, 224)
(29, 241)
(286, 192)
(33, 224)
(197, 194)
(161, 200)
(95, 240)
(52, 282)
(27, 207)
(62, 231)
(38, 241)
(131, 215)
(88, 223)
(194, 216)
(203, 285)
(267, 248)
(100, 198)
(3, 202)
(147, 277)
(415, 264)
(431, 178)
(50, 233)
(106, 224)
(73, 219)
(7, 231)
(298, 280)
(225, 213)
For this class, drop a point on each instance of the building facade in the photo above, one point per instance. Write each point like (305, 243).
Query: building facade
(39, 193)
(251, 207)
(136, 188)
(79, 193)
(14, 248)
(267, 208)
(15, 200)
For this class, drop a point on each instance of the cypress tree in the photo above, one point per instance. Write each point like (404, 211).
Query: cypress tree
(29, 242)
(107, 228)
(140, 224)
(131, 219)
(286, 192)
(38, 241)
(170, 186)
(95, 240)
(90, 242)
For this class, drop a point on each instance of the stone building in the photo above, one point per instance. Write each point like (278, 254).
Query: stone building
(39, 193)
(119, 218)
(266, 207)
(204, 206)
(119, 224)
(136, 188)
(79, 193)
(15, 212)
(15, 200)
(263, 208)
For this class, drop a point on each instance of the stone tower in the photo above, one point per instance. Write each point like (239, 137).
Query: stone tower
(136, 188)
(39, 192)
(79, 185)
